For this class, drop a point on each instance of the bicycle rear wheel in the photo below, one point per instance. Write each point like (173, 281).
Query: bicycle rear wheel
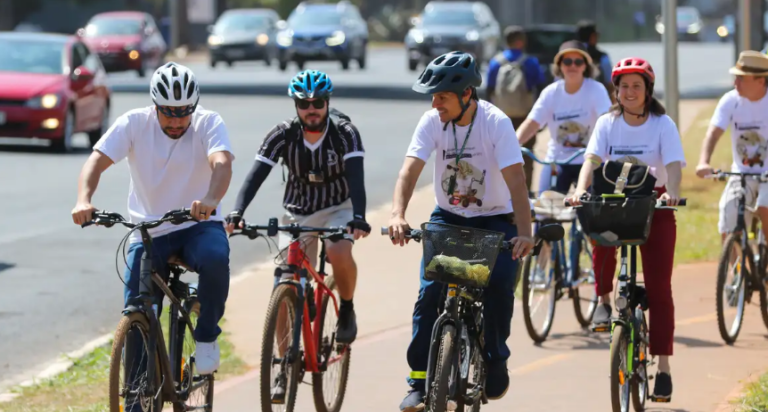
(282, 308)
(440, 386)
(129, 350)
(731, 293)
(639, 379)
(539, 296)
(619, 370)
(337, 356)
(196, 391)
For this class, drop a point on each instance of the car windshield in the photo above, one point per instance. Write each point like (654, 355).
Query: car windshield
(451, 17)
(687, 17)
(315, 17)
(31, 56)
(241, 22)
(545, 42)
(112, 27)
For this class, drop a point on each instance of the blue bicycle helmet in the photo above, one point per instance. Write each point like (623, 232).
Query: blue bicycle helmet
(451, 72)
(310, 84)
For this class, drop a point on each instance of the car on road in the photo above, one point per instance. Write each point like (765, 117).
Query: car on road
(126, 41)
(467, 26)
(543, 42)
(242, 35)
(324, 32)
(51, 87)
(689, 24)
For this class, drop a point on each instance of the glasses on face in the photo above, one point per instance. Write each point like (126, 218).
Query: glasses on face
(569, 62)
(181, 111)
(304, 104)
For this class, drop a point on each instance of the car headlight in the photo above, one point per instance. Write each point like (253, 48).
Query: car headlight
(722, 31)
(285, 39)
(417, 36)
(473, 35)
(694, 28)
(46, 101)
(660, 28)
(214, 40)
(336, 39)
(262, 39)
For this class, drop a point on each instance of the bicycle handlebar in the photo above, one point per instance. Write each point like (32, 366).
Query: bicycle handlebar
(252, 231)
(660, 204)
(530, 154)
(109, 219)
(721, 175)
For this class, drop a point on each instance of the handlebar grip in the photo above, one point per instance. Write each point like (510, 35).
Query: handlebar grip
(567, 202)
(682, 202)
(88, 223)
(384, 231)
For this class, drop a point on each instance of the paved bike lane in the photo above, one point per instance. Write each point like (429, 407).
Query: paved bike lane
(568, 372)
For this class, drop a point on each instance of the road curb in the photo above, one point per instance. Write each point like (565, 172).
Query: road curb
(726, 405)
(66, 361)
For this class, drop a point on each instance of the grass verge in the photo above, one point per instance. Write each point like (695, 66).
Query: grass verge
(755, 397)
(84, 386)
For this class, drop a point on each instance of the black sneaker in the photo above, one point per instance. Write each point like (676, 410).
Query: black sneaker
(602, 315)
(662, 389)
(414, 401)
(497, 381)
(346, 328)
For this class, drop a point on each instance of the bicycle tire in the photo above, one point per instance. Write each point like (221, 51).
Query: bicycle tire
(762, 251)
(619, 342)
(478, 378)
(438, 393)
(317, 378)
(279, 294)
(116, 359)
(722, 274)
(585, 320)
(639, 383)
(193, 308)
(536, 336)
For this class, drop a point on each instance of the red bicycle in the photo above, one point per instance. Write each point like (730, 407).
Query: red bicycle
(293, 312)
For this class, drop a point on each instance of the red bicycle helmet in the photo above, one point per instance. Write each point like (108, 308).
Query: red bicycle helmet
(633, 65)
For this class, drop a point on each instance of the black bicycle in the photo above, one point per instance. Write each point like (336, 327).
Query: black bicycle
(614, 220)
(739, 259)
(153, 374)
(461, 258)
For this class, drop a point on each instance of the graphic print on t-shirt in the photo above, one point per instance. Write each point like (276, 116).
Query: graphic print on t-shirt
(571, 133)
(463, 185)
(751, 147)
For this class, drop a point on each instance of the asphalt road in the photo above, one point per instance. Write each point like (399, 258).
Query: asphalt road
(701, 66)
(59, 284)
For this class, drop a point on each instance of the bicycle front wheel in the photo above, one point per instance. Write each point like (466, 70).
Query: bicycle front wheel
(330, 385)
(129, 361)
(731, 288)
(539, 295)
(440, 387)
(279, 378)
(639, 379)
(620, 379)
(584, 295)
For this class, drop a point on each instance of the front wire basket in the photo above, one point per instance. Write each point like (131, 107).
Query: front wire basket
(460, 255)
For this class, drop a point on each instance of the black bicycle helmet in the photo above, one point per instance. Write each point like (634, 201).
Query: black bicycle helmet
(451, 72)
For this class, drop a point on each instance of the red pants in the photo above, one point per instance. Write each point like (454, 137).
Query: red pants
(657, 255)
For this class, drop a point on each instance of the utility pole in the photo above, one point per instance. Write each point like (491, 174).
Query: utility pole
(175, 14)
(671, 87)
(745, 35)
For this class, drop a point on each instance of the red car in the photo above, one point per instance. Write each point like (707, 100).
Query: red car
(51, 87)
(125, 41)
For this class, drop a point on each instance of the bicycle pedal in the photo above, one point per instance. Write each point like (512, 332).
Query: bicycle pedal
(600, 328)
(660, 400)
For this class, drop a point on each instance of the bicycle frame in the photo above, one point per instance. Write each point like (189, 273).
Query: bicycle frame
(299, 264)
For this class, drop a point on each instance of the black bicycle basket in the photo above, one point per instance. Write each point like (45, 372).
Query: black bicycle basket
(617, 221)
(461, 255)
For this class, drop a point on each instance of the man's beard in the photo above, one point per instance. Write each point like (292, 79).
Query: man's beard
(166, 130)
(318, 127)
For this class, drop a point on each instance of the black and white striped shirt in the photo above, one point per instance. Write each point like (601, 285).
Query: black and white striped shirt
(324, 159)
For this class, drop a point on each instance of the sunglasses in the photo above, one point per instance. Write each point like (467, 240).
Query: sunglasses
(304, 104)
(181, 111)
(569, 61)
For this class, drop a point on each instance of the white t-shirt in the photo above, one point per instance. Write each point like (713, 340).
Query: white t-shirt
(571, 117)
(166, 174)
(655, 143)
(480, 188)
(749, 130)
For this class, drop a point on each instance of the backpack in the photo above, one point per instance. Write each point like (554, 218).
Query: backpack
(511, 94)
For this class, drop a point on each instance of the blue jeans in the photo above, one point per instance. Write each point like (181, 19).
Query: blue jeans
(498, 299)
(205, 248)
(567, 175)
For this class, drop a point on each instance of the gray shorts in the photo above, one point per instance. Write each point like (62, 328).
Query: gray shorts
(329, 217)
(756, 196)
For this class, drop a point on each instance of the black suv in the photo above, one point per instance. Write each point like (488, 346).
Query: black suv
(467, 26)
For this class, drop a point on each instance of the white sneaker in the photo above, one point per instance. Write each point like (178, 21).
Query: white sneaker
(207, 357)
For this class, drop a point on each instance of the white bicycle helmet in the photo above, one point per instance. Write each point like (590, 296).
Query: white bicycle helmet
(175, 90)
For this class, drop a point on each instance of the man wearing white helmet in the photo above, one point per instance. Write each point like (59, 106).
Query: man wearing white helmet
(178, 156)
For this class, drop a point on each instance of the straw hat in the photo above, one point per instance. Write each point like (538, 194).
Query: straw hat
(573, 46)
(751, 63)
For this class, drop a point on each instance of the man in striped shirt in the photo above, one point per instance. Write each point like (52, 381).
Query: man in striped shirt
(324, 155)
